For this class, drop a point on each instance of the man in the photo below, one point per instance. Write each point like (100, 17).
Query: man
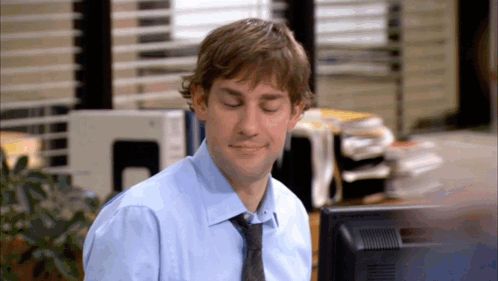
(219, 215)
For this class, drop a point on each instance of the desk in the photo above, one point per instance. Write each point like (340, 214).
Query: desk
(468, 175)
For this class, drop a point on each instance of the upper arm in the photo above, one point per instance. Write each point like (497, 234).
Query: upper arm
(126, 247)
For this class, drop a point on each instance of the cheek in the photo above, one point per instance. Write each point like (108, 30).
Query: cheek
(277, 128)
(278, 123)
(219, 125)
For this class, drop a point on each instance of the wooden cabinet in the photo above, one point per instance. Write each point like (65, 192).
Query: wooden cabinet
(315, 231)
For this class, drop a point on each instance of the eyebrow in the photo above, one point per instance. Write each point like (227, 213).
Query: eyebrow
(265, 96)
(231, 92)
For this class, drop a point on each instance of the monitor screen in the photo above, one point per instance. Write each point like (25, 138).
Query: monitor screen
(377, 243)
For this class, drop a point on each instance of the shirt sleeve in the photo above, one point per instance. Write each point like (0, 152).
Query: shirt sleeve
(126, 247)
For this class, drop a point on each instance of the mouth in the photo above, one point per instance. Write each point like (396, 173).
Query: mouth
(247, 148)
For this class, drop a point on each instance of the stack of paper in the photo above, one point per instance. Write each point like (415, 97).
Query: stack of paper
(363, 135)
(413, 164)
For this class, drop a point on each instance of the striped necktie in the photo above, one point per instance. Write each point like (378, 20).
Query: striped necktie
(253, 269)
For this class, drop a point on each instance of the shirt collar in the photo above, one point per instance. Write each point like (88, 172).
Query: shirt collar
(220, 200)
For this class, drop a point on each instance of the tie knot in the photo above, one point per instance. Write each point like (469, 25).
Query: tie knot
(252, 232)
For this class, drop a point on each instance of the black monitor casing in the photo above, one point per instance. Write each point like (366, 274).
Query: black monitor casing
(375, 243)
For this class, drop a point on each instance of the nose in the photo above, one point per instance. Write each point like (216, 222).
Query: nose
(249, 121)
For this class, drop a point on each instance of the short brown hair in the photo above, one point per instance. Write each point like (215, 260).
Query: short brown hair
(256, 49)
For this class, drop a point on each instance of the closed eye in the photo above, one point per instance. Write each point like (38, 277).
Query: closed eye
(231, 102)
(232, 105)
(270, 109)
(271, 106)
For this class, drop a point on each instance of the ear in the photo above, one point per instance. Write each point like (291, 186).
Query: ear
(199, 102)
(296, 115)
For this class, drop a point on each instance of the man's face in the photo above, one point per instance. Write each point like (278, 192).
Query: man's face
(245, 126)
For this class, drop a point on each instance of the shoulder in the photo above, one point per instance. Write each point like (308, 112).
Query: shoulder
(286, 201)
(153, 199)
(293, 226)
(139, 216)
(130, 233)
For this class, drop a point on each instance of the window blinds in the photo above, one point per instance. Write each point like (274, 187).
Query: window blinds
(392, 58)
(155, 43)
(37, 74)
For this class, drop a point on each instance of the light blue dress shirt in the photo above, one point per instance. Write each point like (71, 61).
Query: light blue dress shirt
(175, 226)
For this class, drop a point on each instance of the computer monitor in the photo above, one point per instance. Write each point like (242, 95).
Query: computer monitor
(377, 243)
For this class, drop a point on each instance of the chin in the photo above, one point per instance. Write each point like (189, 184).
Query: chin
(251, 172)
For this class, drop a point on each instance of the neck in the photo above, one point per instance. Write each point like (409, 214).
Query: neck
(251, 193)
